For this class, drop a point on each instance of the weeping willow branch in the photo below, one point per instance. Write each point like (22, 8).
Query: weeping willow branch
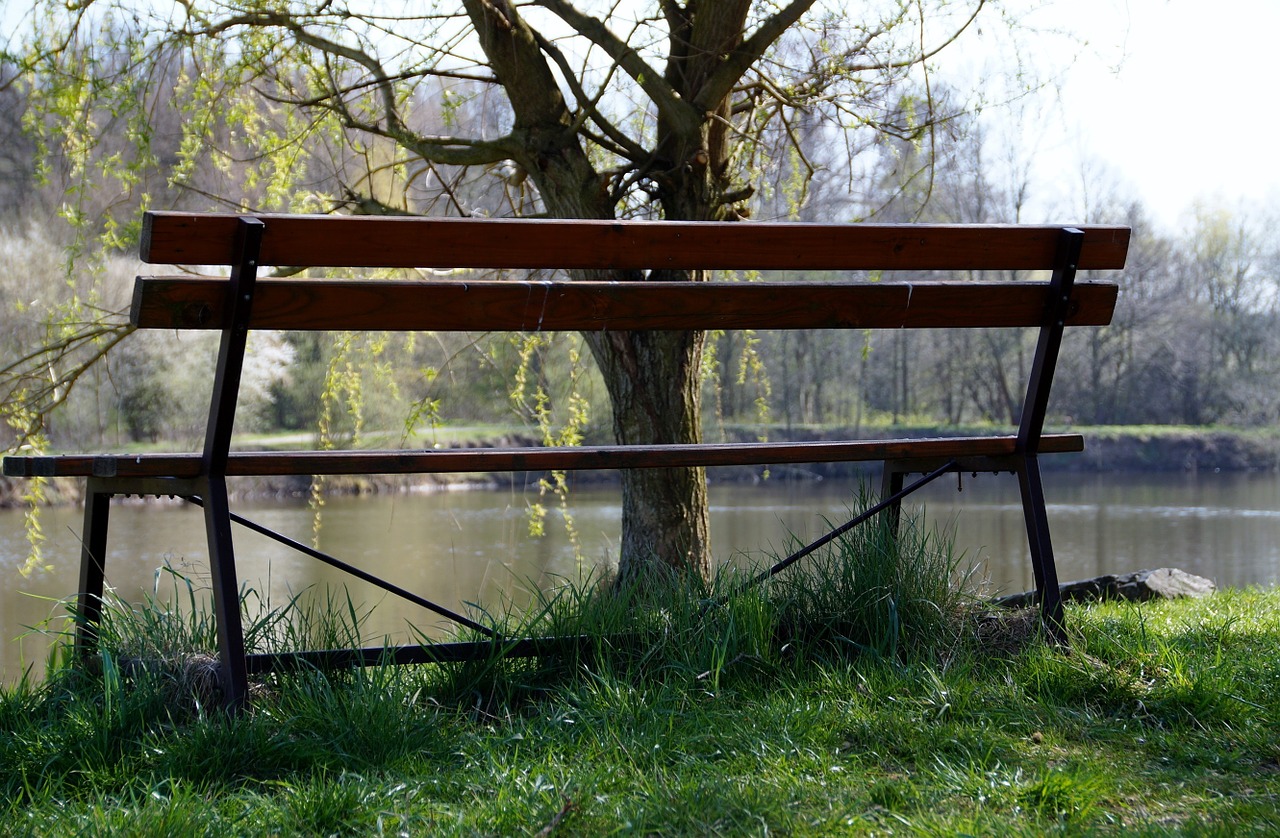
(34, 385)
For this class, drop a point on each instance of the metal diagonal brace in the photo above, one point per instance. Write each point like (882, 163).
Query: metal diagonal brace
(884, 504)
(362, 575)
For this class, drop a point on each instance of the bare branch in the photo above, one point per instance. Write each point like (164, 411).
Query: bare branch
(34, 385)
(731, 70)
(924, 54)
(622, 144)
(659, 91)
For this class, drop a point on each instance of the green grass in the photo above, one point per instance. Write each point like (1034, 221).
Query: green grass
(843, 701)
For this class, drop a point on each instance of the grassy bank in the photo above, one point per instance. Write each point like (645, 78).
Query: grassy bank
(867, 695)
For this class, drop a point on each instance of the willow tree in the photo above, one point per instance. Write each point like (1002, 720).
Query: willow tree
(663, 110)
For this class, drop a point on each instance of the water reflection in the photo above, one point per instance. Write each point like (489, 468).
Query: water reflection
(473, 547)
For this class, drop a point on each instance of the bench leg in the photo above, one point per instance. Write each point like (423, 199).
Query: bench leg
(891, 481)
(226, 594)
(1042, 562)
(93, 559)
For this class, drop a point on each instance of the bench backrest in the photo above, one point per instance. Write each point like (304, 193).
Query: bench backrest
(608, 250)
(300, 242)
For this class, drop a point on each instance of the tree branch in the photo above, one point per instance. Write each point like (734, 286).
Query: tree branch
(544, 129)
(290, 24)
(31, 387)
(661, 93)
(624, 145)
(731, 70)
(923, 55)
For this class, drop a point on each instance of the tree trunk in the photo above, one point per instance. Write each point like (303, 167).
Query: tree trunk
(652, 377)
(653, 383)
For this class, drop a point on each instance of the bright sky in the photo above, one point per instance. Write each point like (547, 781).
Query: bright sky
(1177, 98)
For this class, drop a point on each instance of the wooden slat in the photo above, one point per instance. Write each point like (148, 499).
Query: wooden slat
(348, 241)
(183, 303)
(468, 460)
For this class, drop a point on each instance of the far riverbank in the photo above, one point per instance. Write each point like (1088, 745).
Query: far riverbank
(1144, 448)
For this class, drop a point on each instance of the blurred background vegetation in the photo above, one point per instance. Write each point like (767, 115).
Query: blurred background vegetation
(1196, 337)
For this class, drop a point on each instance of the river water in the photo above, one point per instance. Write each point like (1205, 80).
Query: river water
(462, 547)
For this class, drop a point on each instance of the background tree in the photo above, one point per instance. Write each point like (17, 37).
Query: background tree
(661, 110)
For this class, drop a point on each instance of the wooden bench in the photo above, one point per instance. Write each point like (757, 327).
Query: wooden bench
(242, 302)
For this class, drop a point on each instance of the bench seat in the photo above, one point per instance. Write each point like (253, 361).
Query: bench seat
(465, 460)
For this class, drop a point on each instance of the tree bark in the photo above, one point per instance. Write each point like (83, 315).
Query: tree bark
(654, 387)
